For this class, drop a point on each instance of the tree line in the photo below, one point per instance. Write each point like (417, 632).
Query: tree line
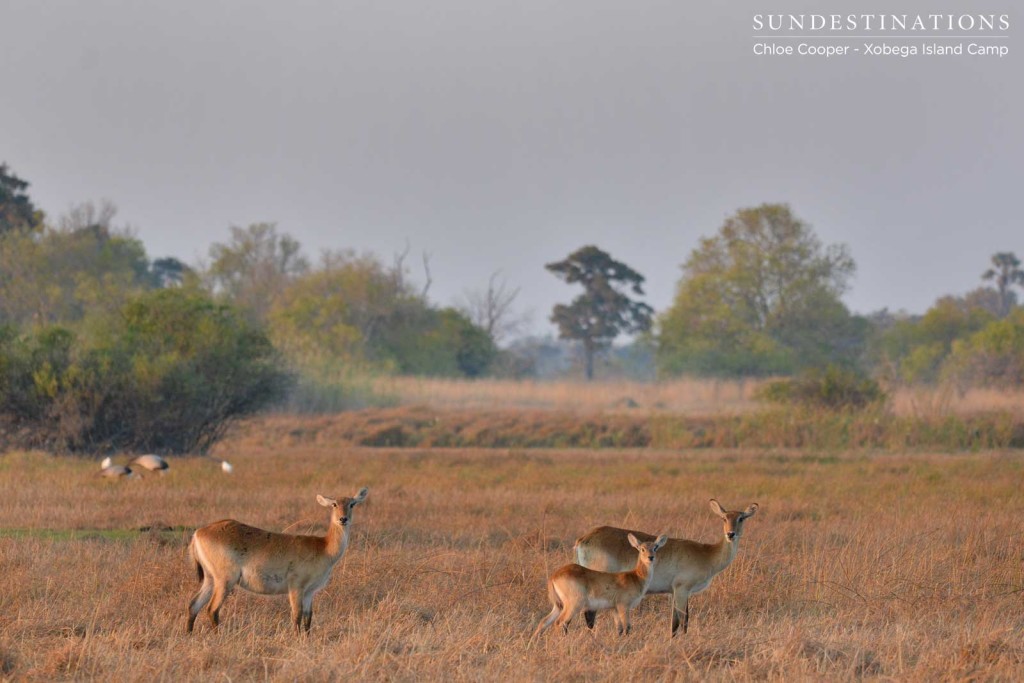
(92, 329)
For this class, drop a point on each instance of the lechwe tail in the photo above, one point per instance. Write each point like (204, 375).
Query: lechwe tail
(556, 609)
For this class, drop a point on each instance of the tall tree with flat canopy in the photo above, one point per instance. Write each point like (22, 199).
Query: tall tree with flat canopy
(602, 312)
(1006, 272)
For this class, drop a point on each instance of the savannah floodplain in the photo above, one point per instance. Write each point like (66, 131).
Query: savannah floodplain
(857, 565)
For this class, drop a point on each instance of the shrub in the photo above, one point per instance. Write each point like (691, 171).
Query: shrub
(833, 388)
(167, 372)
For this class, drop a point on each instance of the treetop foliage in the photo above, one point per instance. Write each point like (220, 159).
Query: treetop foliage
(17, 213)
(593, 267)
(254, 266)
(57, 274)
(760, 297)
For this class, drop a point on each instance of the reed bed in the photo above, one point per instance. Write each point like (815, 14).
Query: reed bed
(857, 566)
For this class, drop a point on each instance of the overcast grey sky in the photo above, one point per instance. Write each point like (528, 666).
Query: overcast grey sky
(504, 134)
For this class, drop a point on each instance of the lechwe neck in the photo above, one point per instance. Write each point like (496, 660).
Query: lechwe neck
(724, 552)
(336, 540)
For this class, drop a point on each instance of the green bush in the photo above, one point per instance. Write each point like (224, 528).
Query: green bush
(833, 388)
(991, 357)
(167, 372)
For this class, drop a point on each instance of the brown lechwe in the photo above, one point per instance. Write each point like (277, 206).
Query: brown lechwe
(229, 553)
(684, 567)
(573, 589)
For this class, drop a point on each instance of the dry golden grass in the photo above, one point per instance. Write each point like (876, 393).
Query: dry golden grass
(690, 396)
(945, 400)
(687, 396)
(863, 566)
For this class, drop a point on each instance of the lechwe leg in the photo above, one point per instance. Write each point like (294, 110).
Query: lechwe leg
(680, 609)
(623, 619)
(569, 612)
(199, 601)
(546, 622)
(220, 594)
(295, 602)
(307, 610)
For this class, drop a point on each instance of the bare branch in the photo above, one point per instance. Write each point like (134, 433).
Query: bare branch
(426, 271)
(88, 215)
(398, 266)
(491, 310)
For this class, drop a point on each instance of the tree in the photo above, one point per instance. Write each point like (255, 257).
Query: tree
(491, 309)
(602, 312)
(16, 210)
(55, 274)
(761, 297)
(914, 349)
(1006, 272)
(345, 309)
(254, 267)
(355, 310)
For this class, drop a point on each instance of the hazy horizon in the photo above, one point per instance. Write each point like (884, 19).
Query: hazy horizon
(505, 137)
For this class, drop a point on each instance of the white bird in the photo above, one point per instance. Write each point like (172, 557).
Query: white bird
(111, 471)
(226, 466)
(153, 463)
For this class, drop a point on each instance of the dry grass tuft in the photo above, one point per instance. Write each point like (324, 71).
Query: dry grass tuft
(907, 567)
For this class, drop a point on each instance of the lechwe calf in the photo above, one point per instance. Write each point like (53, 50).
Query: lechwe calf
(229, 553)
(573, 589)
(684, 567)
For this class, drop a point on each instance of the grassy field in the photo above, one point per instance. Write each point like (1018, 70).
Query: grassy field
(692, 397)
(857, 566)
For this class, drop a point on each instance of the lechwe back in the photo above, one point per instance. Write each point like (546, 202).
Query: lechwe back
(573, 589)
(229, 553)
(684, 567)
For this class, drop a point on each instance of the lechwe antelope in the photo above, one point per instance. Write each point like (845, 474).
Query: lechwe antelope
(573, 589)
(684, 567)
(229, 553)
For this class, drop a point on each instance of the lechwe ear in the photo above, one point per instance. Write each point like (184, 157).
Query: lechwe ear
(633, 542)
(717, 508)
(326, 502)
(659, 542)
(749, 512)
(361, 496)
